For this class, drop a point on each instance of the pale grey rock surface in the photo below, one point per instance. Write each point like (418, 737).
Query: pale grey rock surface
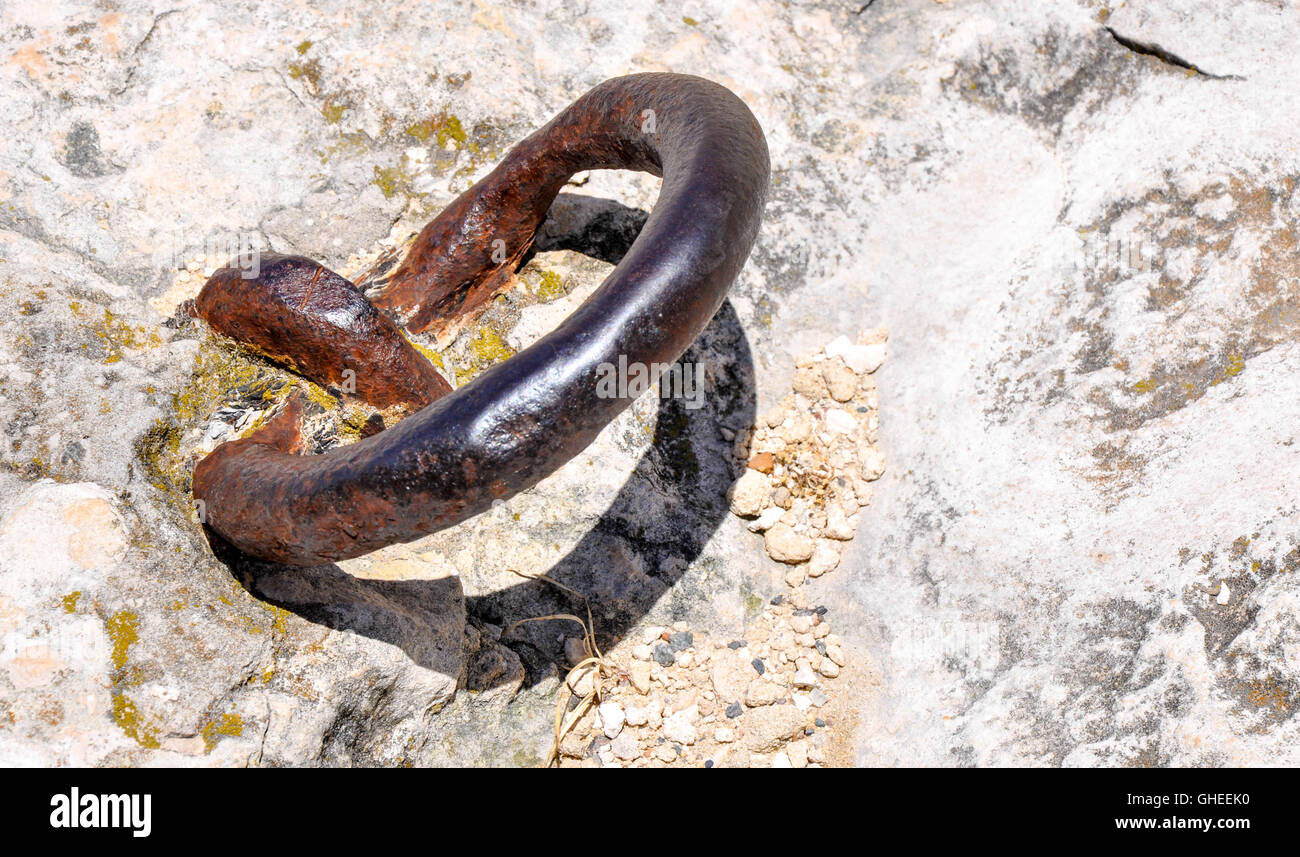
(1085, 257)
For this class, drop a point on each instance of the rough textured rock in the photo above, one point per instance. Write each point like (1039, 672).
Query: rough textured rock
(749, 493)
(766, 728)
(785, 544)
(1088, 407)
(1082, 549)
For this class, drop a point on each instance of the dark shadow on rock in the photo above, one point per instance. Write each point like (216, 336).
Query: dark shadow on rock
(421, 617)
(601, 228)
(659, 521)
(652, 531)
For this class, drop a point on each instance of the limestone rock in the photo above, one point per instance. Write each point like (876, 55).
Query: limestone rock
(749, 494)
(861, 359)
(680, 726)
(841, 383)
(1078, 551)
(825, 558)
(638, 674)
(785, 544)
(768, 727)
(762, 692)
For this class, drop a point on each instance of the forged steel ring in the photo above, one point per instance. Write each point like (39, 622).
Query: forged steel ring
(524, 418)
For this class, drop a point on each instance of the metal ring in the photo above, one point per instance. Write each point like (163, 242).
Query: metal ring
(524, 418)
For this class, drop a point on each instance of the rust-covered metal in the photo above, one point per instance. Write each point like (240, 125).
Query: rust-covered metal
(306, 317)
(524, 418)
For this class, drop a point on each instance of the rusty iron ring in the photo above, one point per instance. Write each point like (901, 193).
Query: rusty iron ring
(524, 418)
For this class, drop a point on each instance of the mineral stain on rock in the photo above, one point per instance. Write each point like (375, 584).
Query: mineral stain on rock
(81, 153)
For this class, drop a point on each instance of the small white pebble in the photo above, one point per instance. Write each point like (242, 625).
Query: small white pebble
(804, 676)
(611, 718)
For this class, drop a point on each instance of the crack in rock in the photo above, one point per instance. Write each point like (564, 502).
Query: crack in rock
(1151, 49)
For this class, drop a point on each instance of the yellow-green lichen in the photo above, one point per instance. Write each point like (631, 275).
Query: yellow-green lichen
(345, 145)
(525, 758)
(392, 181)
(228, 724)
(445, 128)
(128, 718)
(218, 373)
(333, 111)
(1147, 385)
(690, 22)
(1236, 363)
(487, 348)
(319, 396)
(550, 287)
(352, 423)
(124, 631)
(70, 602)
(279, 617)
(308, 71)
(303, 46)
(248, 624)
(115, 335)
(432, 356)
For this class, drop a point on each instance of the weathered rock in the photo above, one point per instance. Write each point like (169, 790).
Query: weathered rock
(680, 726)
(871, 462)
(838, 420)
(625, 747)
(785, 544)
(583, 680)
(809, 382)
(841, 383)
(638, 674)
(797, 753)
(731, 674)
(768, 727)
(862, 359)
(825, 558)
(1080, 551)
(838, 526)
(85, 661)
(804, 677)
(762, 692)
(750, 493)
(767, 519)
(611, 718)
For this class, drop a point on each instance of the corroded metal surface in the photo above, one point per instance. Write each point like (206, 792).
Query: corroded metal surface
(304, 316)
(524, 418)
